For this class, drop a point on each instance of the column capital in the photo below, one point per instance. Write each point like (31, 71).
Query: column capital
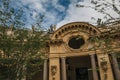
(113, 54)
(63, 57)
(92, 54)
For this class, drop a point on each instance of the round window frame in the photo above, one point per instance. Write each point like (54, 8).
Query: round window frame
(81, 46)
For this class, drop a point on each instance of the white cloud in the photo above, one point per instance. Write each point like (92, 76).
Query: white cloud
(37, 6)
(72, 14)
(82, 14)
(57, 5)
(78, 14)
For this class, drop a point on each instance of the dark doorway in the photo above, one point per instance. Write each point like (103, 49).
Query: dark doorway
(78, 68)
(82, 73)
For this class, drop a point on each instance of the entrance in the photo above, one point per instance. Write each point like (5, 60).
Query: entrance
(82, 73)
(78, 68)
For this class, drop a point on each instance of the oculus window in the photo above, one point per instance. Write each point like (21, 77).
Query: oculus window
(76, 42)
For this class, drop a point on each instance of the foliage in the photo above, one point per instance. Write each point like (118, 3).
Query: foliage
(103, 6)
(39, 20)
(111, 25)
(104, 44)
(11, 16)
(19, 50)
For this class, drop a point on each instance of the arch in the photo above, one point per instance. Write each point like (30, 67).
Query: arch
(76, 25)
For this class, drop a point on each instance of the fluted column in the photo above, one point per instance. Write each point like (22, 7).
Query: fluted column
(93, 64)
(115, 67)
(63, 65)
(45, 76)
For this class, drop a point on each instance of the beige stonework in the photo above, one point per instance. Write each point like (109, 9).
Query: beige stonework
(108, 74)
(54, 69)
(59, 46)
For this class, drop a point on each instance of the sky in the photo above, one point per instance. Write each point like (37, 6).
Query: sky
(57, 12)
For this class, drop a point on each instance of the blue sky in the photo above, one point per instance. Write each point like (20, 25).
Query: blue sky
(58, 12)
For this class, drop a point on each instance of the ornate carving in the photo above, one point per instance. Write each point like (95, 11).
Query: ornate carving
(104, 67)
(52, 29)
(76, 26)
(53, 70)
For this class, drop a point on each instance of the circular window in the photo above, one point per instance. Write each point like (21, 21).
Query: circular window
(76, 42)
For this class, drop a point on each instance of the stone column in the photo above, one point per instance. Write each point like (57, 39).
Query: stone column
(45, 76)
(94, 70)
(115, 67)
(63, 68)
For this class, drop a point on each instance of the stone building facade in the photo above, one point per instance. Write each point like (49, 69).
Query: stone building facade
(79, 51)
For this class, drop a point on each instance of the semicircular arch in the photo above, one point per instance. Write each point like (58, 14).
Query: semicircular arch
(92, 30)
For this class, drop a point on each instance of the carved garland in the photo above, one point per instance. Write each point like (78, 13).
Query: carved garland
(53, 71)
(104, 66)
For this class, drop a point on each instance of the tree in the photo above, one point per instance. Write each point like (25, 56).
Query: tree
(21, 49)
(11, 16)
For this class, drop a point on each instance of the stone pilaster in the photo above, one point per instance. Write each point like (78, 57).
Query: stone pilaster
(54, 69)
